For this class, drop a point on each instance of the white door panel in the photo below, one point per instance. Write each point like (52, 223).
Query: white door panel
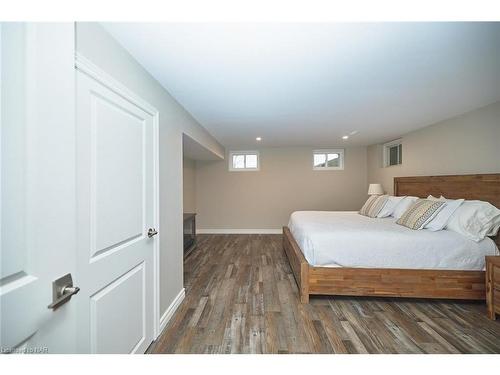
(120, 198)
(19, 316)
(116, 206)
(112, 330)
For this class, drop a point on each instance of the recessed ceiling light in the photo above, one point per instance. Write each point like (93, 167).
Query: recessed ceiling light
(353, 132)
(345, 137)
(258, 139)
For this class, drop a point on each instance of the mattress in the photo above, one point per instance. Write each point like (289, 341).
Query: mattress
(347, 239)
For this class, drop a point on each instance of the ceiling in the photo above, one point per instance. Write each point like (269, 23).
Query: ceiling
(308, 84)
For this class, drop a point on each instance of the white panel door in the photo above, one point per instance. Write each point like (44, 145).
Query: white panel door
(116, 193)
(38, 200)
(18, 283)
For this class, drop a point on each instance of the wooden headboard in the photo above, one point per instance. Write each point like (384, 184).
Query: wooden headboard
(485, 187)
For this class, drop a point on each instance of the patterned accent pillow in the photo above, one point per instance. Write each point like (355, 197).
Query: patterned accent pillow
(364, 210)
(373, 205)
(420, 213)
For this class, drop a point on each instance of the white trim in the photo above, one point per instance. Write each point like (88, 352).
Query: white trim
(230, 159)
(385, 151)
(87, 67)
(339, 151)
(167, 315)
(240, 231)
(156, 203)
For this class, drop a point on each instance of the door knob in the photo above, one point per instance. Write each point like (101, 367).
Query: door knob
(62, 291)
(152, 232)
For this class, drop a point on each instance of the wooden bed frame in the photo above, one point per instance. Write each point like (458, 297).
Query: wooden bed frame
(391, 282)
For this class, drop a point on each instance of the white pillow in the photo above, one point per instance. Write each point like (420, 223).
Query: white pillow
(494, 230)
(402, 206)
(475, 220)
(389, 206)
(439, 221)
(495, 226)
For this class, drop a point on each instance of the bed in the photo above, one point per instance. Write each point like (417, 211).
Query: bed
(344, 253)
(364, 242)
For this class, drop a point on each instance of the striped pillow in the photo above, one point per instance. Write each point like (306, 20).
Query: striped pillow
(420, 213)
(373, 205)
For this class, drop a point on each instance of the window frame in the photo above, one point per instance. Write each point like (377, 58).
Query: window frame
(386, 152)
(339, 151)
(245, 169)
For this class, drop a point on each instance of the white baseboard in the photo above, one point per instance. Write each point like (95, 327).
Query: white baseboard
(239, 231)
(167, 315)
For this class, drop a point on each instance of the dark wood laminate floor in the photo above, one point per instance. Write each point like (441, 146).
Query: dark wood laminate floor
(241, 297)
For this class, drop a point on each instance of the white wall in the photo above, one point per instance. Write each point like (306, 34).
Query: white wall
(465, 144)
(93, 42)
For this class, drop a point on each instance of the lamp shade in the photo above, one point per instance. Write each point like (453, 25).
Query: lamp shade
(375, 189)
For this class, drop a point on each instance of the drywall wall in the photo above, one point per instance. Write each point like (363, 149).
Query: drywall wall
(465, 144)
(469, 143)
(189, 184)
(94, 43)
(285, 183)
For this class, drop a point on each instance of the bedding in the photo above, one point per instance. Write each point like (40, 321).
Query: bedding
(442, 218)
(348, 239)
(389, 206)
(475, 220)
(378, 205)
(373, 205)
(420, 213)
(402, 206)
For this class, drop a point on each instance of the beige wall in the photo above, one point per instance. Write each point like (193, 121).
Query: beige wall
(466, 144)
(469, 143)
(98, 46)
(189, 184)
(285, 183)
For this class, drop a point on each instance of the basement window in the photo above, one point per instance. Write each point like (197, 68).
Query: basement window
(244, 161)
(325, 160)
(393, 153)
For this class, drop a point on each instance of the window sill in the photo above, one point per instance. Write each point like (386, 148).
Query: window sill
(328, 169)
(392, 166)
(244, 170)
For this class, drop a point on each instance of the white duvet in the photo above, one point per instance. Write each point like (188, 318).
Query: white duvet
(347, 239)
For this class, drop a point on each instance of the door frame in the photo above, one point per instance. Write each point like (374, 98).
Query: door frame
(87, 67)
